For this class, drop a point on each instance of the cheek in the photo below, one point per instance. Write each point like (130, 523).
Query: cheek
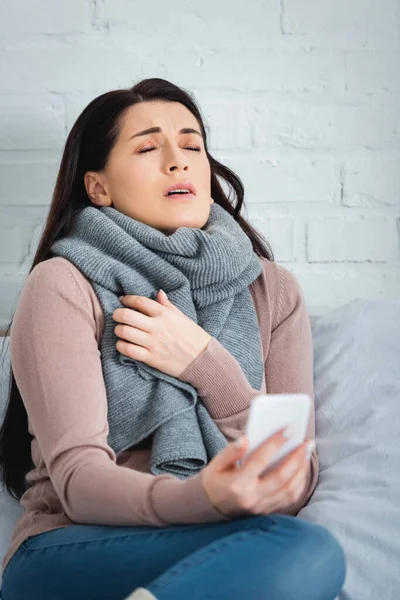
(207, 176)
(133, 179)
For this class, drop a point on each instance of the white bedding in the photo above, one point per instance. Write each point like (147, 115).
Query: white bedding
(357, 397)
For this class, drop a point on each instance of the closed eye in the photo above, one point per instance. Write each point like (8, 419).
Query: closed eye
(195, 149)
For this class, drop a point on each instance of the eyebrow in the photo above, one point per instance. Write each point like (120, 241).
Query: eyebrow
(159, 130)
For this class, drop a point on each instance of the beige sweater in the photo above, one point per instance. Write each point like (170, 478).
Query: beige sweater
(55, 341)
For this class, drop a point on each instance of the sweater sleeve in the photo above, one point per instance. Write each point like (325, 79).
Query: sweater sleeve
(289, 364)
(223, 388)
(57, 367)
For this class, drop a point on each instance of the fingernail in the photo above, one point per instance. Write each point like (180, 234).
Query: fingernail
(121, 298)
(164, 294)
(288, 432)
(309, 449)
(239, 442)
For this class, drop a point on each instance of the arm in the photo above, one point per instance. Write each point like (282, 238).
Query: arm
(289, 364)
(57, 367)
(224, 388)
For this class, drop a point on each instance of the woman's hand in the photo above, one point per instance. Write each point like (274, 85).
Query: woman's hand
(244, 491)
(158, 334)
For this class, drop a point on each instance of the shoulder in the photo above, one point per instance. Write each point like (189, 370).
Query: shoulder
(59, 274)
(58, 277)
(291, 301)
(284, 290)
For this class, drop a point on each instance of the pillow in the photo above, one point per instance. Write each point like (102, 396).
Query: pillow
(10, 509)
(357, 400)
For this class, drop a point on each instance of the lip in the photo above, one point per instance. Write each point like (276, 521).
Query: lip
(181, 197)
(181, 185)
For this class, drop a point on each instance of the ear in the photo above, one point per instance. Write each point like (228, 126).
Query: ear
(96, 189)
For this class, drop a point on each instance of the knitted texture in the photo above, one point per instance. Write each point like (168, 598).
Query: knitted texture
(205, 273)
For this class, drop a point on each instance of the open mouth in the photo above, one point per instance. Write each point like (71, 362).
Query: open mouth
(180, 195)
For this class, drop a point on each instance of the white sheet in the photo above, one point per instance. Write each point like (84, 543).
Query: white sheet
(357, 396)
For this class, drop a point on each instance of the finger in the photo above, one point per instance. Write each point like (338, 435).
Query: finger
(230, 454)
(258, 460)
(167, 302)
(296, 486)
(292, 491)
(293, 487)
(134, 351)
(280, 475)
(150, 307)
(296, 455)
(127, 316)
(132, 335)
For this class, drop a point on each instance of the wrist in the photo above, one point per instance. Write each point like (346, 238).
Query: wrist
(204, 483)
(205, 340)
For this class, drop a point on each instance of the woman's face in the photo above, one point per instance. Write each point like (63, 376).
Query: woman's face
(134, 181)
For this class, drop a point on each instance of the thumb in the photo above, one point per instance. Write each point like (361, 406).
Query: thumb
(162, 298)
(229, 455)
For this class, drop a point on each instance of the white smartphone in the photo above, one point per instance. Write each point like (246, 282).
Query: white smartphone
(270, 412)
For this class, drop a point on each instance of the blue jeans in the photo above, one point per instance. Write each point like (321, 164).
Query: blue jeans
(271, 557)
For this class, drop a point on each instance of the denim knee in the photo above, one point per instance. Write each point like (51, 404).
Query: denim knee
(314, 561)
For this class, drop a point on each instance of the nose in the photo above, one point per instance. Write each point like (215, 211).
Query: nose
(178, 163)
(176, 159)
(184, 167)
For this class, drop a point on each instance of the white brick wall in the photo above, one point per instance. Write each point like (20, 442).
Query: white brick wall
(302, 99)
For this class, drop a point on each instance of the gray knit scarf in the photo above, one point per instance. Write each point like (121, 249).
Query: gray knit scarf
(205, 273)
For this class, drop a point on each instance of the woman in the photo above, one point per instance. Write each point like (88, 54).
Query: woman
(114, 506)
